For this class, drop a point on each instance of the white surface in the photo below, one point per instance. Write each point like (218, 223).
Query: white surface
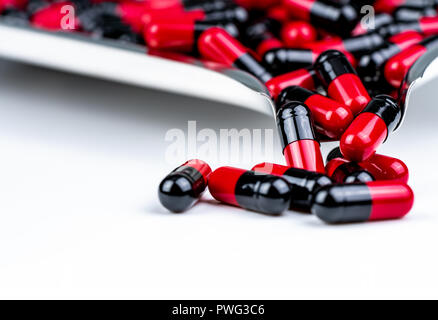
(79, 217)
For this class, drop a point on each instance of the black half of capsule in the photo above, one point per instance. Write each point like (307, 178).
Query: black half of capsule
(207, 6)
(399, 27)
(294, 93)
(250, 64)
(370, 65)
(430, 42)
(263, 193)
(294, 121)
(335, 17)
(15, 17)
(334, 154)
(283, 60)
(407, 14)
(33, 6)
(363, 44)
(234, 14)
(332, 64)
(343, 203)
(386, 108)
(303, 185)
(181, 189)
(260, 31)
(351, 172)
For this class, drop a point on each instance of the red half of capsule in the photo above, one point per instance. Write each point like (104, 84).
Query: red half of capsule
(349, 90)
(334, 164)
(132, 13)
(398, 66)
(173, 35)
(388, 6)
(302, 77)
(257, 4)
(267, 45)
(386, 168)
(390, 200)
(17, 4)
(300, 10)
(331, 117)
(304, 154)
(217, 45)
(50, 17)
(222, 183)
(362, 138)
(406, 39)
(166, 15)
(297, 34)
(278, 13)
(429, 25)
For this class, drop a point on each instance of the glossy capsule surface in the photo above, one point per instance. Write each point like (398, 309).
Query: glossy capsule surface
(331, 117)
(303, 183)
(300, 147)
(218, 45)
(305, 78)
(398, 66)
(182, 188)
(180, 34)
(370, 128)
(343, 171)
(296, 34)
(377, 200)
(341, 80)
(380, 166)
(329, 15)
(250, 190)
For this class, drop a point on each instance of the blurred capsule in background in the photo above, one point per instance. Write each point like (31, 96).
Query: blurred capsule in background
(250, 190)
(183, 187)
(296, 34)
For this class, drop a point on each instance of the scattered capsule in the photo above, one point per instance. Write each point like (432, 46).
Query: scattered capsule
(49, 16)
(398, 66)
(329, 15)
(211, 5)
(12, 4)
(427, 26)
(305, 78)
(303, 183)
(300, 147)
(370, 67)
(331, 117)
(295, 34)
(343, 171)
(356, 46)
(381, 167)
(392, 5)
(341, 80)
(370, 128)
(406, 14)
(250, 190)
(180, 35)
(218, 45)
(182, 188)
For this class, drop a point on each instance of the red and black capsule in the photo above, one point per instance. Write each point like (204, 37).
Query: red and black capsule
(370, 66)
(427, 26)
(341, 80)
(12, 5)
(389, 6)
(380, 166)
(218, 45)
(300, 147)
(360, 202)
(341, 170)
(257, 4)
(305, 78)
(48, 16)
(180, 34)
(380, 20)
(406, 14)
(184, 186)
(261, 37)
(331, 117)
(250, 190)
(356, 46)
(210, 5)
(370, 128)
(398, 66)
(303, 183)
(296, 34)
(326, 14)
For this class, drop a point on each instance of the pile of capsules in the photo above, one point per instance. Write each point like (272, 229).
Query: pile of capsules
(332, 76)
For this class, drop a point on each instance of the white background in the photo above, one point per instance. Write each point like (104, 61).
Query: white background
(80, 162)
